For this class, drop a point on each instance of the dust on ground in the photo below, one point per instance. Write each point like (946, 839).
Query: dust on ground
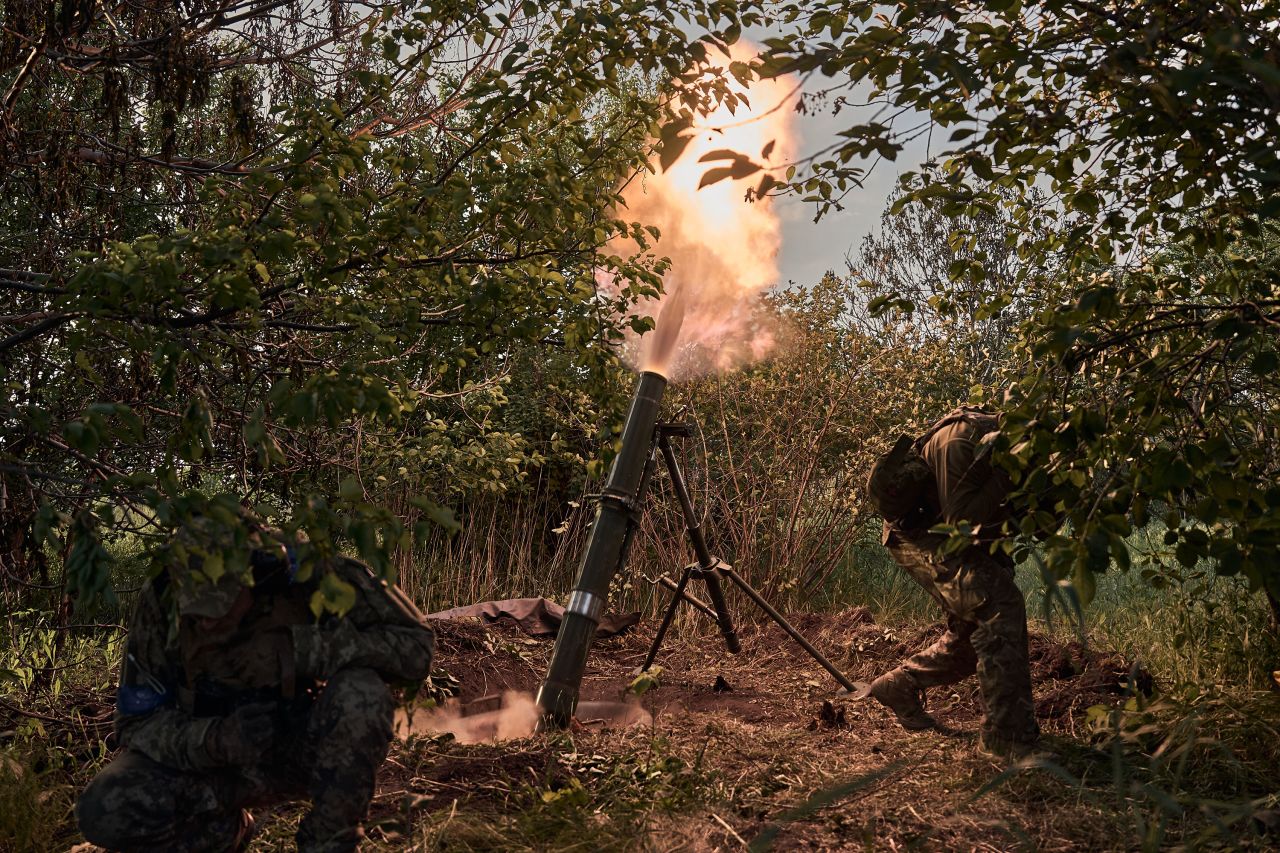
(755, 746)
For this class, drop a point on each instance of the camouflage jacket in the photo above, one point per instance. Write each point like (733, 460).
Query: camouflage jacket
(174, 684)
(967, 487)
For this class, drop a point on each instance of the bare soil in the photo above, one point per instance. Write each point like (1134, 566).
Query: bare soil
(767, 749)
(760, 750)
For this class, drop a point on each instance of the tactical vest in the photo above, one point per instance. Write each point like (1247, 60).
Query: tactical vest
(257, 662)
(983, 421)
(254, 664)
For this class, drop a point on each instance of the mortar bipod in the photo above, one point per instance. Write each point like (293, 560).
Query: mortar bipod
(712, 570)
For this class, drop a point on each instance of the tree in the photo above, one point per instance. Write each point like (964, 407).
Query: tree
(249, 255)
(1149, 383)
(908, 267)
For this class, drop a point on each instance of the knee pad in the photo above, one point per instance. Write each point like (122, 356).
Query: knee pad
(93, 813)
(108, 808)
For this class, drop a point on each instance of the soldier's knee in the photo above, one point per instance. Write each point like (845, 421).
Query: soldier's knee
(93, 814)
(117, 801)
(359, 697)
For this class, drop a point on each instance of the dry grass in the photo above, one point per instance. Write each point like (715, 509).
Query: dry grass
(762, 766)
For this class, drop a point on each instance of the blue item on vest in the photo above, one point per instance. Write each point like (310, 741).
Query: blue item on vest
(136, 699)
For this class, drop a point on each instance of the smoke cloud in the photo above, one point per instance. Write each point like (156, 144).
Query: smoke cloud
(722, 239)
(514, 715)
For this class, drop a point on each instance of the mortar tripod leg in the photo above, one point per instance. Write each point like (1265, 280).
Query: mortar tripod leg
(790, 629)
(666, 619)
(716, 593)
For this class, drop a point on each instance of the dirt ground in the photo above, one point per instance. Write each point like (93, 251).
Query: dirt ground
(752, 749)
(761, 751)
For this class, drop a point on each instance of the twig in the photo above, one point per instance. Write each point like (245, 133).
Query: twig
(14, 709)
(730, 829)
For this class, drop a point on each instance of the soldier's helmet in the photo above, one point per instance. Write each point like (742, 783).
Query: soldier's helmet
(205, 582)
(899, 480)
(197, 595)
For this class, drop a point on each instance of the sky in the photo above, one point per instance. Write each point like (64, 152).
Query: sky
(809, 249)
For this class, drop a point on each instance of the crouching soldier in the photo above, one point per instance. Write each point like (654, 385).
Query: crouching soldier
(233, 695)
(946, 477)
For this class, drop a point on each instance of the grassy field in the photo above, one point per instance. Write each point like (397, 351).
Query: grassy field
(1201, 630)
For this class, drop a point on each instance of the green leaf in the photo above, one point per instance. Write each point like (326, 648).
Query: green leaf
(645, 681)
(674, 138)
(1085, 584)
(720, 154)
(443, 517)
(350, 489)
(333, 595)
(740, 169)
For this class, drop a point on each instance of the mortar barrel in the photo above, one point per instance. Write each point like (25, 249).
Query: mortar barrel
(604, 554)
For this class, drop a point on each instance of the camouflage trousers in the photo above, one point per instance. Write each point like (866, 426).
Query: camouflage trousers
(986, 632)
(330, 756)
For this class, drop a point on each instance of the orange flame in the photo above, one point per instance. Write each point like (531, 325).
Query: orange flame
(721, 239)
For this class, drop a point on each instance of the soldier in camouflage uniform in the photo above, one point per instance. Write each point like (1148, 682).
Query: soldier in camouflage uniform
(946, 477)
(233, 695)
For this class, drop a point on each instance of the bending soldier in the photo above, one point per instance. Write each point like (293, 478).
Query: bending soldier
(233, 695)
(946, 477)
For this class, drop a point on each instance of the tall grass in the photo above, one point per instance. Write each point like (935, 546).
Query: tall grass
(508, 547)
(1187, 628)
(868, 577)
(1203, 630)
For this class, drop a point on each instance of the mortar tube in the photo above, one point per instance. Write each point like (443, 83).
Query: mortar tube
(603, 556)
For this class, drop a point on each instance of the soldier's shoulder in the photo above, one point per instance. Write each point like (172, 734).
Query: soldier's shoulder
(351, 569)
(975, 416)
(944, 438)
(360, 575)
(966, 423)
(380, 595)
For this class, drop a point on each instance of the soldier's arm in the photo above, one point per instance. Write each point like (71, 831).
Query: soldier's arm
(147, 718)
(383, 631)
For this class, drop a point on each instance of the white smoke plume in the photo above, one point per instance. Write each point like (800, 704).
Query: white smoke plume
(722, 238)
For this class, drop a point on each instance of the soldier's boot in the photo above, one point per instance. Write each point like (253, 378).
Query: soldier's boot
(898, 691)
(1001, 749)
(248, 829)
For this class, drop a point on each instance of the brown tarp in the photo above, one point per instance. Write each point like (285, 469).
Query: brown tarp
(537, 617)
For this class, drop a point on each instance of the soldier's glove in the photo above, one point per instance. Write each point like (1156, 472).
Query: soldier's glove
(242, 737)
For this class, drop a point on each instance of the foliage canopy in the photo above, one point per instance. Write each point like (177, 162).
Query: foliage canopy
(252, 253)
(1133, 146)
(249, 249)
